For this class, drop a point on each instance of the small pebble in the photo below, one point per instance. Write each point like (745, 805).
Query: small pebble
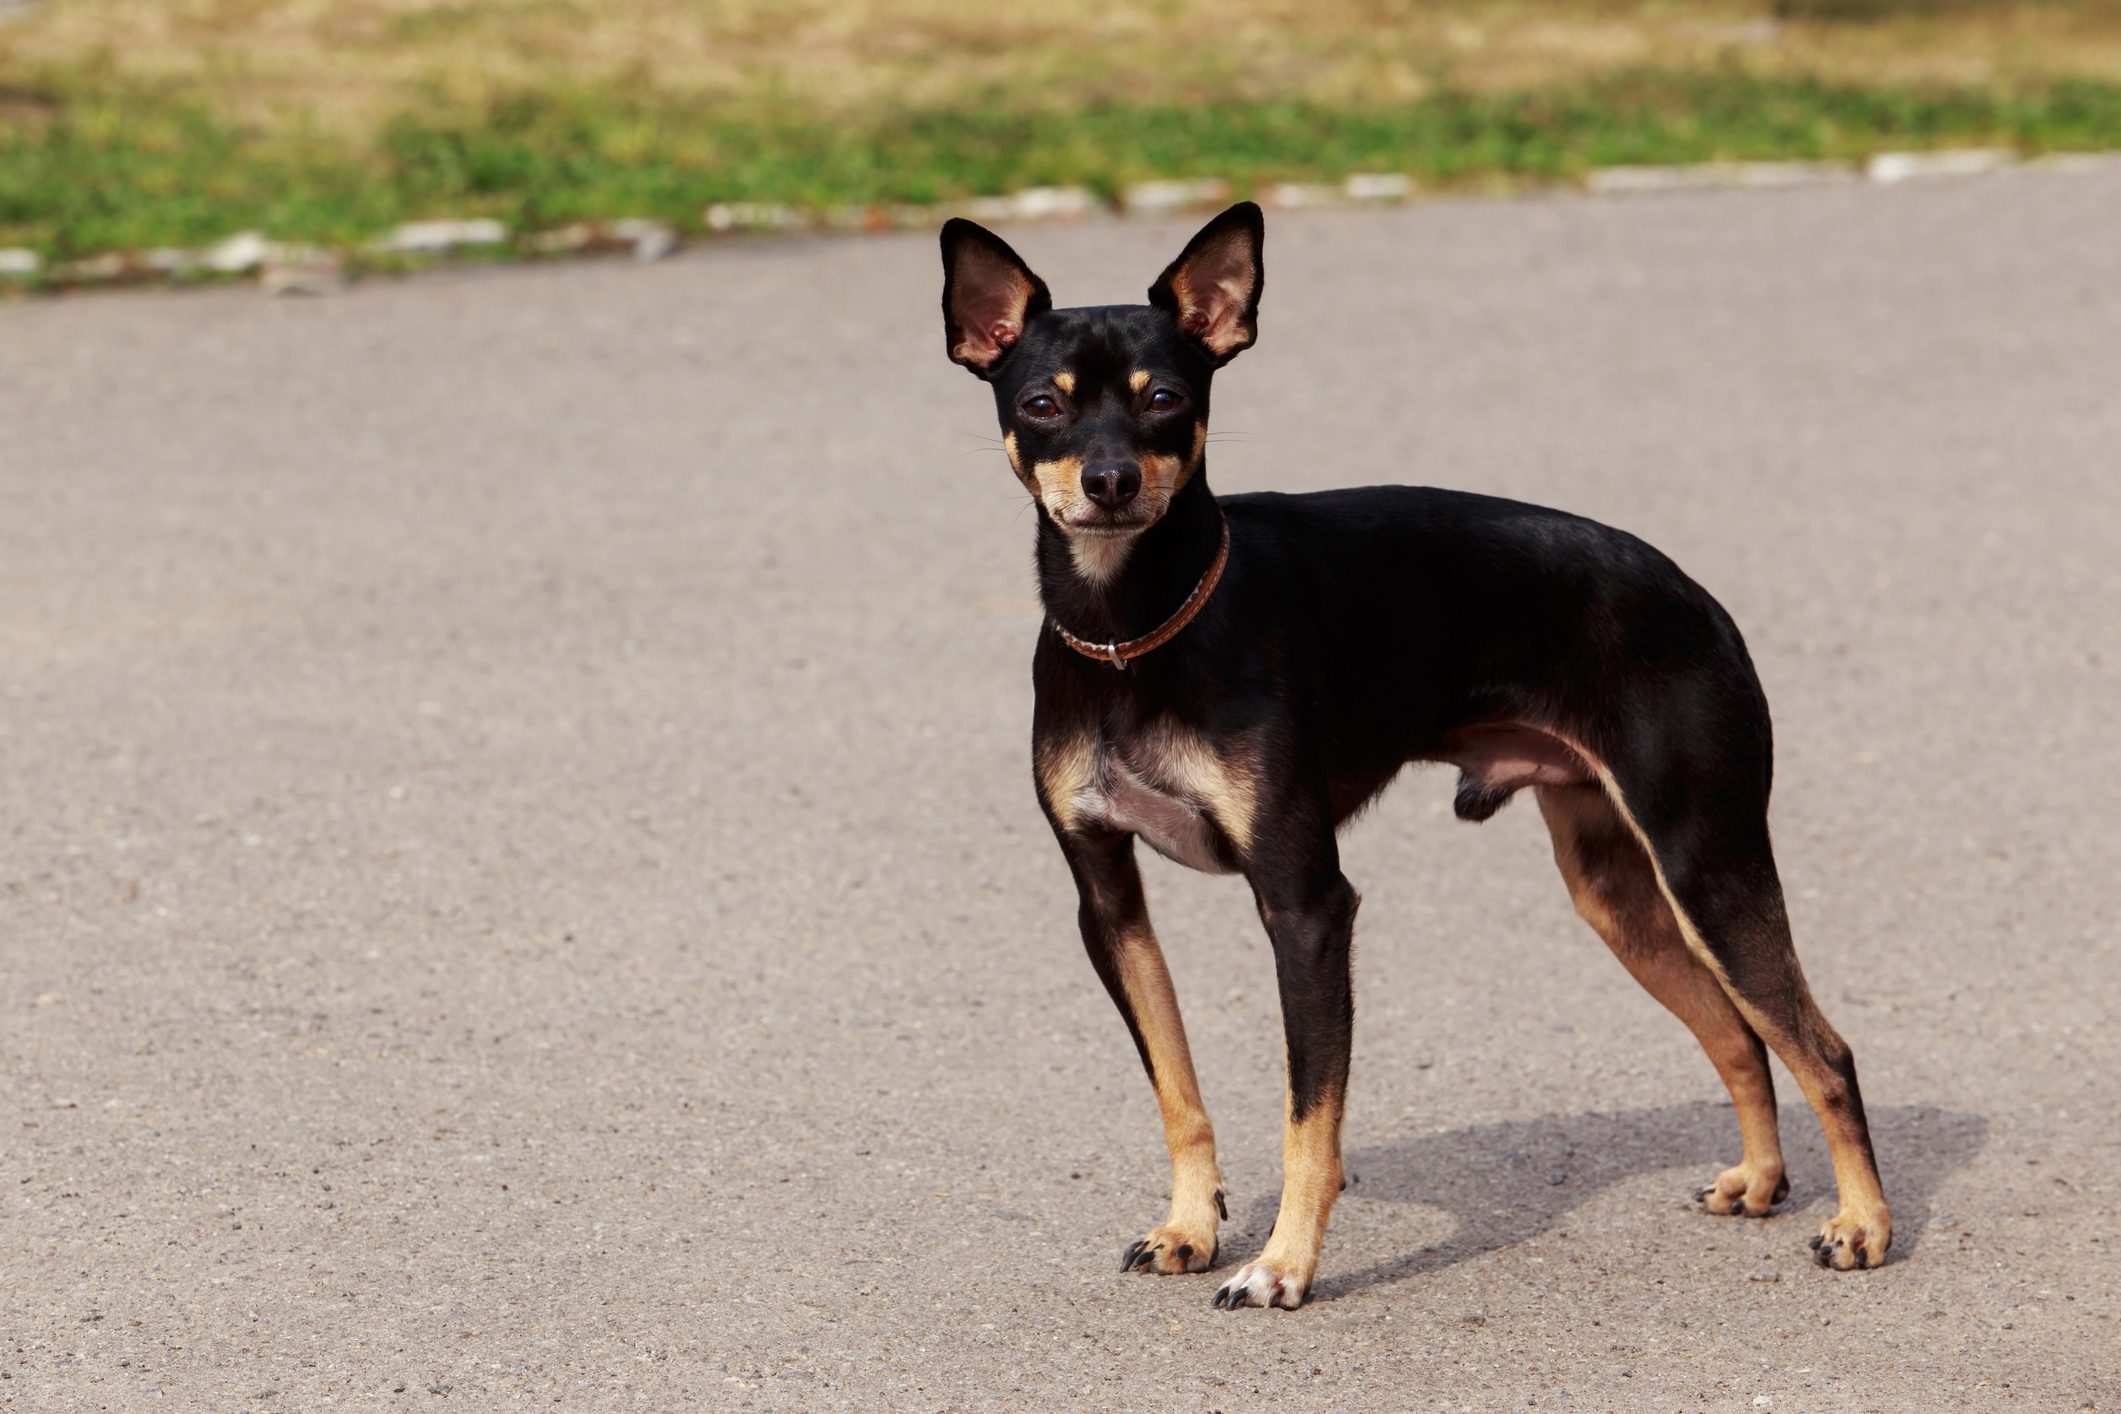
(1767, 1274)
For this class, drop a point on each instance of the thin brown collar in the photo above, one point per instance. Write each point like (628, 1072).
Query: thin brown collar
(1118, 654)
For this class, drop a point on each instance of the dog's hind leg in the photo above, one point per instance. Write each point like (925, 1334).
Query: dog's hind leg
(1615, 890)
(1700, 810)
(1123, 948)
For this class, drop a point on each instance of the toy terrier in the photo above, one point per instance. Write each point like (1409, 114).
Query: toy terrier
(1230, 679)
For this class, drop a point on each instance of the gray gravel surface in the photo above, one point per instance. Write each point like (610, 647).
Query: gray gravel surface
(520, 886)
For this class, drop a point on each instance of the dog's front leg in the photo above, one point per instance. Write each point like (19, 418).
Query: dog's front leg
(1309, 910)
(1124, 950)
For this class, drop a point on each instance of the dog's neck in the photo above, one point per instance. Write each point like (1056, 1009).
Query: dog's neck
(1111, 591)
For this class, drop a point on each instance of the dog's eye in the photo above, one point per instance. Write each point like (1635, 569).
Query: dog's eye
(1041, 406)
(1164, 400)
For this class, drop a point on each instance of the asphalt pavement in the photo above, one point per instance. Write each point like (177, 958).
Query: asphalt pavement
(519, 880)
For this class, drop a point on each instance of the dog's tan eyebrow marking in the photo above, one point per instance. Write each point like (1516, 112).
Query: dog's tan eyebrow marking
(1138, 379)
(1065, 381)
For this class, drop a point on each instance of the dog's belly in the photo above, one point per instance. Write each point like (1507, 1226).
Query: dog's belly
(1172, 825)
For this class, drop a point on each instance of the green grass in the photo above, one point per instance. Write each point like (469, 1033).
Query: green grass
(85, 170)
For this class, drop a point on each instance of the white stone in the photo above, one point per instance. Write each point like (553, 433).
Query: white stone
(440, 237)
(751, 216)
(20, 263)
(1889, 167)
(1637, 181)
(1379, 186)
(651, 240)
(1053, 203)
(990, 208)
(1165, 198)
(1297, 196)
(243, 251)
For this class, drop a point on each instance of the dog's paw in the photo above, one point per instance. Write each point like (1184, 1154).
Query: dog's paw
(1171, 1249)
(1745, 1191)
(1853, 1241)
(1263, 1283)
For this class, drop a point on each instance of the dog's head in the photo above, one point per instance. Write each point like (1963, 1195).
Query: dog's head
(1104, 411)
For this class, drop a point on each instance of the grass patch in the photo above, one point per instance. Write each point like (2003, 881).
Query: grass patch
(131, 124)
(98, 171)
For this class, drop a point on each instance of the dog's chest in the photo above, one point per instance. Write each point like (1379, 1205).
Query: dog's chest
(1152, 788)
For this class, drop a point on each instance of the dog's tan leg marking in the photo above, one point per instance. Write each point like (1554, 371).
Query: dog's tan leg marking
(1311, 1176)
(1067, 770)
(1615, 891)
(1185, 1243)
(1858, 1235)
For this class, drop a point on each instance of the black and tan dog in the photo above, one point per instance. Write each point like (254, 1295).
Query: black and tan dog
(1232, 679)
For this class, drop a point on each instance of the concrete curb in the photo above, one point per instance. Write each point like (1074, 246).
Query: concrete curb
(283, 268)
(1641, 181)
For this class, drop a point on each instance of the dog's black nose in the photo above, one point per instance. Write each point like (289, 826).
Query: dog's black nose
(1112, 484)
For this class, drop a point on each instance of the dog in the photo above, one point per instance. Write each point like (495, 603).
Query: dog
(1232, 679)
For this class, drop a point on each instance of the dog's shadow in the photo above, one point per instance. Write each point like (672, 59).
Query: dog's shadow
(1510, 1181)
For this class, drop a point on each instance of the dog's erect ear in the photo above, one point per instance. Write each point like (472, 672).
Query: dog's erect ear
(989, 295)
(1213, 288)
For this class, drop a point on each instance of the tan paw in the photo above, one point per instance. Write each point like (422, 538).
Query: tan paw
(1744, 1191)
(1171, 1249)
(1264, 1283)
(1854, 1241)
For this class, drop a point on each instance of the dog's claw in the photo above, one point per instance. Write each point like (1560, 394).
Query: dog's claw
(1133, 1257)
(1818, 1241)
(1220, 1206)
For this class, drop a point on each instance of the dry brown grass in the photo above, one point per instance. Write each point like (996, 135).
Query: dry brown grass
(349, 64)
